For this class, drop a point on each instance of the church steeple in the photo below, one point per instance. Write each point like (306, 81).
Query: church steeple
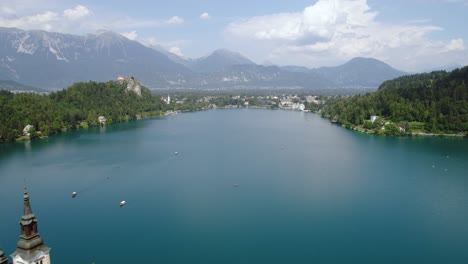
(27, 206)
(30, 247)
(29, 238)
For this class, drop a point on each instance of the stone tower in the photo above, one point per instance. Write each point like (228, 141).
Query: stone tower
(30, 248)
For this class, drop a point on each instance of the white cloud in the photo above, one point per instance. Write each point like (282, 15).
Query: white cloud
(205, 16)
(177, 51)
(175, 20)
(319, 21)
(154, 42)
(76, 13)
(44, 21)
(76, 20)
(130, 35)
(332, 31)
(455, 44)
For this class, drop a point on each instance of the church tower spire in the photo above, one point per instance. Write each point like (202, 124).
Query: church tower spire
(30, 248)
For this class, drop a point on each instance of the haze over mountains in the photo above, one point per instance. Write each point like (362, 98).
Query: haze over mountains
(54, 61)
(13, 86)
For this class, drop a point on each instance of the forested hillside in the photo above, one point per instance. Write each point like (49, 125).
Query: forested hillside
(80, 105)
(434, 102)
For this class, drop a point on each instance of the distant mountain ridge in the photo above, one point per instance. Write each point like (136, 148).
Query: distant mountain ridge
(13, 86)
(218, 60)
(55, 60)
(360, 72)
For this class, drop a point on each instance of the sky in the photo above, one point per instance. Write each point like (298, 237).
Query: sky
(410, 35)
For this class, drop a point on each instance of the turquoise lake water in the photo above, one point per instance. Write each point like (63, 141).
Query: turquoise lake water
(247, 186)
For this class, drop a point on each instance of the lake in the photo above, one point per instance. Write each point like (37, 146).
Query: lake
(246, 186)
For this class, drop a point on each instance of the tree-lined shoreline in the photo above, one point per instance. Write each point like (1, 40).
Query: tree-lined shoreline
(429, 104)
(433, 103)
(80, 105)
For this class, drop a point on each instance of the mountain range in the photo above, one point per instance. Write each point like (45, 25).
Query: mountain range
(54, 60)
(13, 86)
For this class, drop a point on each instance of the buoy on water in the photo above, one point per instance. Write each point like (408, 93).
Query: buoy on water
(74, 194)
(122, 203)
(175, 153)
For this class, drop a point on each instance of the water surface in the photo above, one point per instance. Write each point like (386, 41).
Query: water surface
(247, 186)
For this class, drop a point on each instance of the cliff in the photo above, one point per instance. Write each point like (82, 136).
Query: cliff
(132, 85)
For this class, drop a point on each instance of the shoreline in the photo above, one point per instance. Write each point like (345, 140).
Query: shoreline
(171, 112)
(22, 139)
(415, 134)
(422, 134)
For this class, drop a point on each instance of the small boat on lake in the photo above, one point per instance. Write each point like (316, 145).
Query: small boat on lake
(122, 203)
(74, 194)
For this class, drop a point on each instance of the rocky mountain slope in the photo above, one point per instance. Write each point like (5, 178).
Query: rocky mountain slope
(53, 60)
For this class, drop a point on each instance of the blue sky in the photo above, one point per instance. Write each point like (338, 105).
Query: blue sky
(411, 35)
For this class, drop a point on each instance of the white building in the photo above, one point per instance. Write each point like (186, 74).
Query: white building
(26, 130)
(298, 107)
(102, 120)
(286, 103)
(166, 100)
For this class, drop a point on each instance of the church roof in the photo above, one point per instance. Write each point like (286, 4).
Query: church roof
(27, 206)
(31, 255)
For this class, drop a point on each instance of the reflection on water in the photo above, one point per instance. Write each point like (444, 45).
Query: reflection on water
(27, 145)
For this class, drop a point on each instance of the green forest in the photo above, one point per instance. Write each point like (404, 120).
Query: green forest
(435, 102)
(79, 105)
